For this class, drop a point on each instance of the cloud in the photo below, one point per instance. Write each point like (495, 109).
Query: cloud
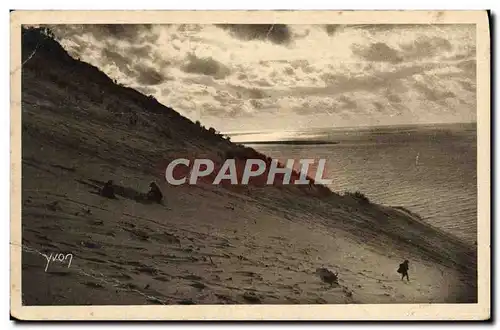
(263, 83)
(147, 76)
(377, 52)
(378, 105)
(393, 98)
(469, 68)
(339, 72)
(431, 93)
(103, 32)
(347, 102)
(248, 93)
(120, 61)
(424, 47)
(332, 28)
(146, 90)
(206, 66)
(276, 33)
(394, 81)
(141, 51)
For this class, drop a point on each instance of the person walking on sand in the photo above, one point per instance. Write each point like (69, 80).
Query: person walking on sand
(154, 194)
(403, 270)
(108, 190)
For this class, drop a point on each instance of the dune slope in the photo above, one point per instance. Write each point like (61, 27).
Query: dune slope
(207, 244)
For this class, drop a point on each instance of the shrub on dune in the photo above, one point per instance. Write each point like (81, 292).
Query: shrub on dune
(358, 196)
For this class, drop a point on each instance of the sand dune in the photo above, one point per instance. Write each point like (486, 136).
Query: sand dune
(207, 244)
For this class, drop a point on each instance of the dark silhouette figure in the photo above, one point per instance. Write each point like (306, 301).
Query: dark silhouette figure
(154, 194)
(108, 190)
(403, 270)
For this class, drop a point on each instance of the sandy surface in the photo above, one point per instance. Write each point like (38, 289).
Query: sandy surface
(207, 244)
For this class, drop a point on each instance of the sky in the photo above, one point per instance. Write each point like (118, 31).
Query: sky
(290, 77)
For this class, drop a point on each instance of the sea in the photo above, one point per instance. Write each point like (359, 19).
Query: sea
(430, 170)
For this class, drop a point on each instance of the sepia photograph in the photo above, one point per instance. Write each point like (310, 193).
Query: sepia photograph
(314, 165)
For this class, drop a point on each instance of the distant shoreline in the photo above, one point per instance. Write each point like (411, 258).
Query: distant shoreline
(292, 142)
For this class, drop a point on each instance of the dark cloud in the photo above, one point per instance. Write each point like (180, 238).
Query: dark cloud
(469, 67)
(130, 32)
(432, 94)
(332, 28)
(470, 53)
(318, 106)
(276, 33)
(103, 32)
(144, 75)
(377, 52)
(255, 93)
(468, 86)
(234, 111)
(243, 93)
(209, 109)
(424, 47)
(120, 61)
(337, 84)
(256, 104)
(378, 106)
(289, 71)
(141, 51)
(334, 79)
(159, 61)
(275, 61)
(147, 76)
(393, 98)
(226, 98)
(206, 66)
(348, 103)
(121, 31)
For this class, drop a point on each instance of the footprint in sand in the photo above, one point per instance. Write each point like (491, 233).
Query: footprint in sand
(90, 245)
(225, 298)
(192, 277)
(94, 285)
(121, 276)
(133, 263)
(252, 298)
(198, 285)
(186, 302)
(250, 274)
(139, 234)
(148, 270)
(161, 278)
(166, 238)
(59, 273)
